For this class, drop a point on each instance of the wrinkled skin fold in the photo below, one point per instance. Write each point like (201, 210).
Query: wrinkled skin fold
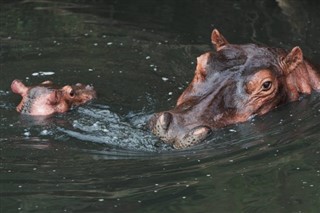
(46, 99)
(232, 84)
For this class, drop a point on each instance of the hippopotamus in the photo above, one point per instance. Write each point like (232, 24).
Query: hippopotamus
(46, 99)
(231, 85)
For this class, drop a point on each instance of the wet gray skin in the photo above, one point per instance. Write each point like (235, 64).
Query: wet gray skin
(230, 86)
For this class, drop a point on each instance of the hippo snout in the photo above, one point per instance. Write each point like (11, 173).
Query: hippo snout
(168, 128)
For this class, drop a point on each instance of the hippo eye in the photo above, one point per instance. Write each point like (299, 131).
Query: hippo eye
(71, 93)
(266, 85)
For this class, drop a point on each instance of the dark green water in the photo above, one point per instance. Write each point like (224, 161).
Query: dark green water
(140, 55)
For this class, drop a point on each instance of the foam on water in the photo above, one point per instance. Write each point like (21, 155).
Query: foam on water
(100, 125)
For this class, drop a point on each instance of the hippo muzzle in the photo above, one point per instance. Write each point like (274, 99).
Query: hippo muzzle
(165, 126)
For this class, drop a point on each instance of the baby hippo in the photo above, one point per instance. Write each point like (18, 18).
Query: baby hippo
(46, 99)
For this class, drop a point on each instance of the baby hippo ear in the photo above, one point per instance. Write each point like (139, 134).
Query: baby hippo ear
(218, 40)
(18, 87)
(292, 60)
(54, 97)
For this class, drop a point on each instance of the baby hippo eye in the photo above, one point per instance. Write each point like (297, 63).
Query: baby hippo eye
(266, 85)
(72, 93)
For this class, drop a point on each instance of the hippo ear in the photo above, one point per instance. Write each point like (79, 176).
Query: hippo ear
(18, 87)
(201, 71)
(218, 40)
(292, 60)
(54, 97)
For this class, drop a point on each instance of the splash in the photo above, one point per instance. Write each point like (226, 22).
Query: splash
(100, 125)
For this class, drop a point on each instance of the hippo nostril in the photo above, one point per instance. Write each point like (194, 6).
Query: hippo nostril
(165, 120)
(195, 136)
(201, 132)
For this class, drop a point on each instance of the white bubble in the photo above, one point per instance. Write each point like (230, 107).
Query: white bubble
(42, 73)
(27, 134)
(44, 132)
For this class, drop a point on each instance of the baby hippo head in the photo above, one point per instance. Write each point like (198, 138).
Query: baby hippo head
(46, 99)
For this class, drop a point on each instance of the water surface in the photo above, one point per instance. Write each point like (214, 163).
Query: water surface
(140, 56)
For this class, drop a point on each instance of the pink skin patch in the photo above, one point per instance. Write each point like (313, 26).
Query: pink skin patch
(45, 99)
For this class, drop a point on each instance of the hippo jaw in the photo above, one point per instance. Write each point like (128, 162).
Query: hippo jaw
(232, 85)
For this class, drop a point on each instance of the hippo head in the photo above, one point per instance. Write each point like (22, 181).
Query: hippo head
(231, 85)
(46, 99)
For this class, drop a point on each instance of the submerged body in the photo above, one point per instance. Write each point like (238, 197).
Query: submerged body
(231, 85)
(45, 99)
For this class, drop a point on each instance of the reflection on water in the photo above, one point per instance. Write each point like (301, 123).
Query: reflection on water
(140, 56)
